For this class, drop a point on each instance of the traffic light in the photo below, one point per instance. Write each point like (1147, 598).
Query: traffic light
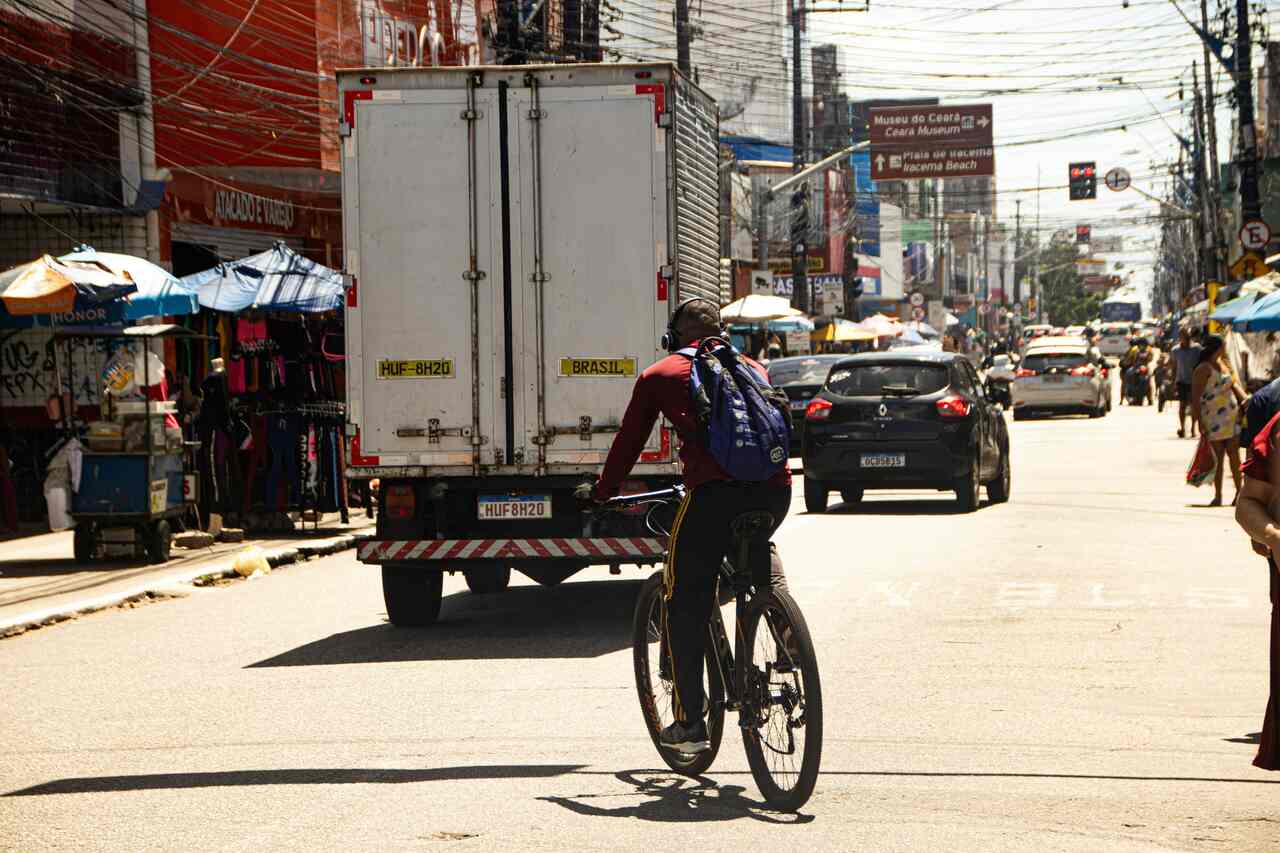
(1083, 181)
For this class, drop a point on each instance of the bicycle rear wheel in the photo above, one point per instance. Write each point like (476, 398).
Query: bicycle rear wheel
(783, 738)
(653, 682)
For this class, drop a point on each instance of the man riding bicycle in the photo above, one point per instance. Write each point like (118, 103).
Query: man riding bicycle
(700, 536)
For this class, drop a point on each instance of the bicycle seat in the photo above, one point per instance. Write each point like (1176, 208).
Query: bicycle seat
(756, 524)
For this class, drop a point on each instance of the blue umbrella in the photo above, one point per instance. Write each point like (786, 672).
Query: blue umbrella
(159, 293)
(278, 279)
(1229, 311)
(1262, 316)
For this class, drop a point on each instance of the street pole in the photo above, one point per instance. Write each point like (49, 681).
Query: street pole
(1017, 250)
(682, 37)
(1035, 276)
(1207, 269)
(1215, 182)
(1250, 204)
(799, 222)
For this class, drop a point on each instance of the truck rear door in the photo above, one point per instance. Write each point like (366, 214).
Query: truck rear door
(423, 397)
(591, 300)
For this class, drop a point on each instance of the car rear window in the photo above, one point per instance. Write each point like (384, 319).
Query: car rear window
(874, 380)
(1042, 362)
(1115, 333)
(800, 371)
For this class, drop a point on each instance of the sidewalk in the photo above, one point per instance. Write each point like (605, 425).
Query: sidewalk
(41, 583)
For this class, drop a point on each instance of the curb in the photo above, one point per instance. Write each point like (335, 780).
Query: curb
(165, 588)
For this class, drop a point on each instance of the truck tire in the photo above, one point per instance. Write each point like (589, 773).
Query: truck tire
(483, 581)
(158, 542)
(412, 595)
(83, 542)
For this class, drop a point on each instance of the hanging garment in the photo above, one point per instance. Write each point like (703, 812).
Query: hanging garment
(282, 477)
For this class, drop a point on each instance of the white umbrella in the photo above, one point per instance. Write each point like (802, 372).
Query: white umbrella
(756, 307)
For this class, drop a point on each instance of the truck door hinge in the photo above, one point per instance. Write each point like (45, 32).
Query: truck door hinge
(537, 114)
(503, 386)
(667, 271)
(473, 275)
(470, 115)
(664, 120)
(584, 428)
(344, 130)
(539, 278)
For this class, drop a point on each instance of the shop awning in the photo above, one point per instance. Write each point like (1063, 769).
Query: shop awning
(62, 291)
(1262, 316)
(278, 279)
(757, 307)
(159, 293)
(1228, 311)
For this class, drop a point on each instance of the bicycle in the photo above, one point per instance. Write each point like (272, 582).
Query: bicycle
(770, 676)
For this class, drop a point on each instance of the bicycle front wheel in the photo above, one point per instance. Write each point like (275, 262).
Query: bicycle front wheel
(654, 682)
(783, 732)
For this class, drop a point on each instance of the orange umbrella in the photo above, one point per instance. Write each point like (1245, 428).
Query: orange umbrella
(50, 286)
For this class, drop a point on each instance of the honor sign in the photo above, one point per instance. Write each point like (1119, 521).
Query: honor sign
(236, 206)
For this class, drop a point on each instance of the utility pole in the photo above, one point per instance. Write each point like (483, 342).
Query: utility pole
(1017, 250)
(1208, 269)
(1218, 270)
(682, 37)
(591, 31)
(1035, 277)
(799, 197)
(1250, 204)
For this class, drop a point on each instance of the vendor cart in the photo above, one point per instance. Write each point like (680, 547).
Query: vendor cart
(131, 489)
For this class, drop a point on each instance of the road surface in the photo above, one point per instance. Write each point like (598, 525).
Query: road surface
(1083, 668)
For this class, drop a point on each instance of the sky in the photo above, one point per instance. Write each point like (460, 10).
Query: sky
(1092, 80)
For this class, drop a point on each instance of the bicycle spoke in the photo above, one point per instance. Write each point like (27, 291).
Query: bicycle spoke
(781, 733)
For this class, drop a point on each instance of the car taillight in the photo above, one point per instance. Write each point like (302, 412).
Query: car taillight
(1083, 370)
(818, 410)
(399, 502)
(954, 407)
(1023, 373)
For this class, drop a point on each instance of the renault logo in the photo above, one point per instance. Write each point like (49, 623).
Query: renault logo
(884, 410)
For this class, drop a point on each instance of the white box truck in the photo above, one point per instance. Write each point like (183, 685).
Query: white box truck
(517, 238)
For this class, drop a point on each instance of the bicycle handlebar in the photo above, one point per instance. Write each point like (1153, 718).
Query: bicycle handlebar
(674, 493)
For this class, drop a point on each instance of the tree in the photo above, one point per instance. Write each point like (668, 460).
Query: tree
(1061, 288)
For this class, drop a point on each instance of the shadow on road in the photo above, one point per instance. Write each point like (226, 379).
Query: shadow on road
(294, 776)
(898, 507)
(573, 620)
(678, 799)
(1254, 738)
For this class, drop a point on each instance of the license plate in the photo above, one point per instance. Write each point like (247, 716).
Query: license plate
(514, 507)
(1055, 379)
(799, 405)
(884, 460)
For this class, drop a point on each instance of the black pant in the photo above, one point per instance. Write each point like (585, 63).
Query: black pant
(700, 539)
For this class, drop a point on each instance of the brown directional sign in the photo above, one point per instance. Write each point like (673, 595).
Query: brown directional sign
(941, 141)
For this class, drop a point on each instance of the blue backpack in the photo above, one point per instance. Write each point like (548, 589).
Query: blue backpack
(743, 421)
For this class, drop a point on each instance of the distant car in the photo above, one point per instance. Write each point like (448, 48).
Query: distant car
(1002, 368)
(1074, 331)
(1113, 340)
(914, 420)
(1035, 331)
(1061, 375)
(800, 377)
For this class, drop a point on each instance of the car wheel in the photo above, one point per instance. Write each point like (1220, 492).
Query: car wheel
(815, 495)
(968, 488)
(484, 581)
(998, 489)
(851, 496)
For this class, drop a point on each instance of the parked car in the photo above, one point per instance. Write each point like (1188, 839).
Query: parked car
(1061, 375)
(915, 420)
(801, 377)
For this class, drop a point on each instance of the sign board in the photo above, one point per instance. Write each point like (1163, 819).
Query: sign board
(950, 141)
(1090, 266)
(1017, 308)
(782, 285)
(1096, 283)
(598, 368)
(783, 265)
(984, 308)
(415, 368)
(833, 298)
(762, 282)
(918, 313)
(798, 342)
(1107, 245)
(1249, 266)
(1255, 235)
(1031, 305)
(916, 299)
(1084, 233)
(1118, 179)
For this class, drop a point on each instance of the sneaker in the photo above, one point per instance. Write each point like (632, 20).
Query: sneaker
(686, 737)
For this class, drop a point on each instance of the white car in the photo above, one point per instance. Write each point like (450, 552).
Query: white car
(1061, 375)
(1113, 340)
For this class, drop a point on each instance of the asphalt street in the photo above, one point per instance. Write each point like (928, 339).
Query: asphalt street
(1083, 668)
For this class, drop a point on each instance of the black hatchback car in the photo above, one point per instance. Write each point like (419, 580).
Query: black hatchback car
(914, 420)
(800, 377)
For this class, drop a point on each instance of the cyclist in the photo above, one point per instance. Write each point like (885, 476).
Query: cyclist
(700, 536)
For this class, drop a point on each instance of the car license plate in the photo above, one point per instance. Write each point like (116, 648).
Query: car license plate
(514, 507)
(884, 460)
(1055, 379)
(799, 405)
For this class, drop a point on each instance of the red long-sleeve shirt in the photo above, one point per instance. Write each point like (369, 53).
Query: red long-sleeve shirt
(663, 389)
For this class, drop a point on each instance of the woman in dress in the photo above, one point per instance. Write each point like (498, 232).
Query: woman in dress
(1216, 396)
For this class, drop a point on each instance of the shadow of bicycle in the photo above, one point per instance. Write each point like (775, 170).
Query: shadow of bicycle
(672, 798)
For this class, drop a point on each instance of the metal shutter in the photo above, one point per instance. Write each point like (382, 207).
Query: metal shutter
(697, 193)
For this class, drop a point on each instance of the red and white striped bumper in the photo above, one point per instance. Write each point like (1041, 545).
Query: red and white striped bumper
(608, 550)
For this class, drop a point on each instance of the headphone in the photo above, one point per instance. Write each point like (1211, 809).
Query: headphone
(671, 338)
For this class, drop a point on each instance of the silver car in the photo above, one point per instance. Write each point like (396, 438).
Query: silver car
(1061, 375)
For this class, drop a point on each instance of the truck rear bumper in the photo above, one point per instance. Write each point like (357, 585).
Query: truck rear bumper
(602, 550)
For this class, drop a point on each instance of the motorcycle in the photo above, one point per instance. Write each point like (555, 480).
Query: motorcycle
(1137, 385)
(1166, 385)
(998, 392)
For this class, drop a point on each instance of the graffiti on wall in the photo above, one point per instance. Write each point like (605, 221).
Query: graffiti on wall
(27, 368)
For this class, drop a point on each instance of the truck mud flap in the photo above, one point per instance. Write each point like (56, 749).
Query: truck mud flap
(631, 549)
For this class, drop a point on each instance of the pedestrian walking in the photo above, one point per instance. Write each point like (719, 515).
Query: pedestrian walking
(1216, 396)
(1261, 476)
(1186, 356)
